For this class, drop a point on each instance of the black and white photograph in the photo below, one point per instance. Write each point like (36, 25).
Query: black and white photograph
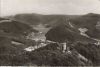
(50, 33)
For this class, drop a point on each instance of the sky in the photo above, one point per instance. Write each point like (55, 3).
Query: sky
(12, 7)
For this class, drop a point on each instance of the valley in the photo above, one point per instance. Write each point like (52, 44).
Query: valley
(50, 40)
